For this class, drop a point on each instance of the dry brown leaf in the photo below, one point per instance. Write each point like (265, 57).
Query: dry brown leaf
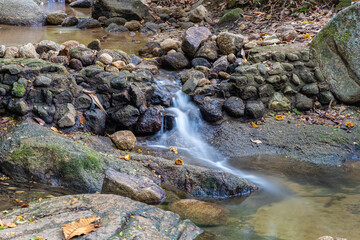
(11, 225)
(83, 226)
(39, 121)
(82, 120)
(95, 99)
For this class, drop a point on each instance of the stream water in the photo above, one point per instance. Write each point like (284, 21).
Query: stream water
(296, 201)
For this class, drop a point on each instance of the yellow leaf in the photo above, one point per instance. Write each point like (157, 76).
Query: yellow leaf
(83, 226)
(55, 129)
(11, 225)
(254, 125)
(306, 35)
(174, 149)
(178, 161)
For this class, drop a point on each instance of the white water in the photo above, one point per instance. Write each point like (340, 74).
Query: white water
(186, 137)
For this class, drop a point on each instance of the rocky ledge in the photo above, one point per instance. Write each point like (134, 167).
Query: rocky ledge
(121, 218)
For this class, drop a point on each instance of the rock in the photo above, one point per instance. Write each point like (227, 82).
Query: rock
(69, 118)
(289, 35)
(234, 106)
(18, 106)
(337, 52)
(255, 109)
(56, 18)
(170, 44)
(325, 97)
(231, 16)
(21, 12)
(117, 20)
(116, 55)
(200, 62)
(190, 80)
(211, 109)
(60, 60)
(47, 45)
(230, 43)
(119, 64)
(95, 121)
(150, 122)
(270, 41)
(194, 36)
(114, 28)
(208, 50)
(75, 64)
(200, 212)
(110, 68)
(140, 189)
(137, 96)
(27, 51)
(95, 45)
(115, 212)
(128, 9)
(175, 61)
(303, 103)
(19, 88)
(220, 65)
(81, 167)
(124, 140)
(81, 4)
(45, 112)
(89, 23)
(11, 52)
(126, 116)
(279, 103)
(105, 58)
(249, 92)
(150, 50)
(2, 50)
(70, 21)
(198, 14)
(85, 55)
(310, 89)
(292, 57)
(133, 26)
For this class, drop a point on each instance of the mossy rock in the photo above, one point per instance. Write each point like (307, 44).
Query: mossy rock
(231, 16)
(343, 3)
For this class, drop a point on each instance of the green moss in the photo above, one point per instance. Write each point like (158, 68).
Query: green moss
(343, 3)
(18, 89)
(343, 38)
(231, 16)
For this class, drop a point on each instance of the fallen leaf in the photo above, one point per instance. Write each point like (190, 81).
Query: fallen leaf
(256, 141)
(24, 205)
(178, 161)
(83, 226)
(11, 225)
(39, 121)
(82, 120)
(254, 125)
(74, 201)
(95, 99)
(174, 149)
(55, 129)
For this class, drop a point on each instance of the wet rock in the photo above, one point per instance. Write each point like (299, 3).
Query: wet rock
(105, 58)
(137, 96)
(11, 52)
(133, 26)
(95, 121)
(126, 116)
(220, 65)
(170, 44)
(27, 51)
(211, 109)
(208, 50)
(117, 20)
(229, 42)
(150, 122)
(200, 62)
(124, 140)
(255, 109)
(56, 18)
(198, 14)
(69, 117)
(45, 112)
(21, 12)
(89, 23)
(234, 106)
(310, 89)
(114, 28)
(200, 212)
(129, 9)
(150, 50)
(140, 189)
(115, 212)
(279, 103)
(18, 106)
(193, 38)
(70, 21)
(19, 88)
(175, 61)
(303, 103)
(81, 4)
(95, 45)
(85, 55)
(190, 80)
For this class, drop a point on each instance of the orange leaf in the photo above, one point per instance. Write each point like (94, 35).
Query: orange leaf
(55, 129)
(254, 125)
(178, 161)
(306, 35)
(83, 226)
(24, 205)
(82, 120)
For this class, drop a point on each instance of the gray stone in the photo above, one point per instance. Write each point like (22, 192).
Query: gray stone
(133, 25)
(18, 106)
(151, 50)
(292, 57)
(47, 45)
(105, 58)
(42, 81)
(263, 69)
(2, 50)
(70, 21)
(220, 65)
(211, 109)
(85, 55)
(255, 109)
(126, 116)
(208, 50)
(117, 20)
(273, 79)
(114, 28)
(95, 45)
(279, 103)
(193, 38)
(150, 122)
(303, 103)
(277, 68)
(288, 66)
(27, 51)
(190, 85)
(89, 23)
(140, 189)
(295, 80)
(319, 76)
(249, 92)
(310, 89)
(198, 14)
(21, 12)
(128, 9)
(81, 4)
(229, 42)
(307, 77)
(56, 18)
(234, 106)
(19, 88)
(325, 97)
(69, 118)
(137, 96)
(278, 56)
(175, 61)
(45, 112)
(95, 121)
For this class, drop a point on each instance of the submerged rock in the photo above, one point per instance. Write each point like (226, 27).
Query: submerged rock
(140, 189)
(133, 219)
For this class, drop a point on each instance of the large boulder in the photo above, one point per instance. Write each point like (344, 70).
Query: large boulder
(128, 9)
(21, 12)
(337, 50)
(120, 217)
(140, 189)
(150, 122)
